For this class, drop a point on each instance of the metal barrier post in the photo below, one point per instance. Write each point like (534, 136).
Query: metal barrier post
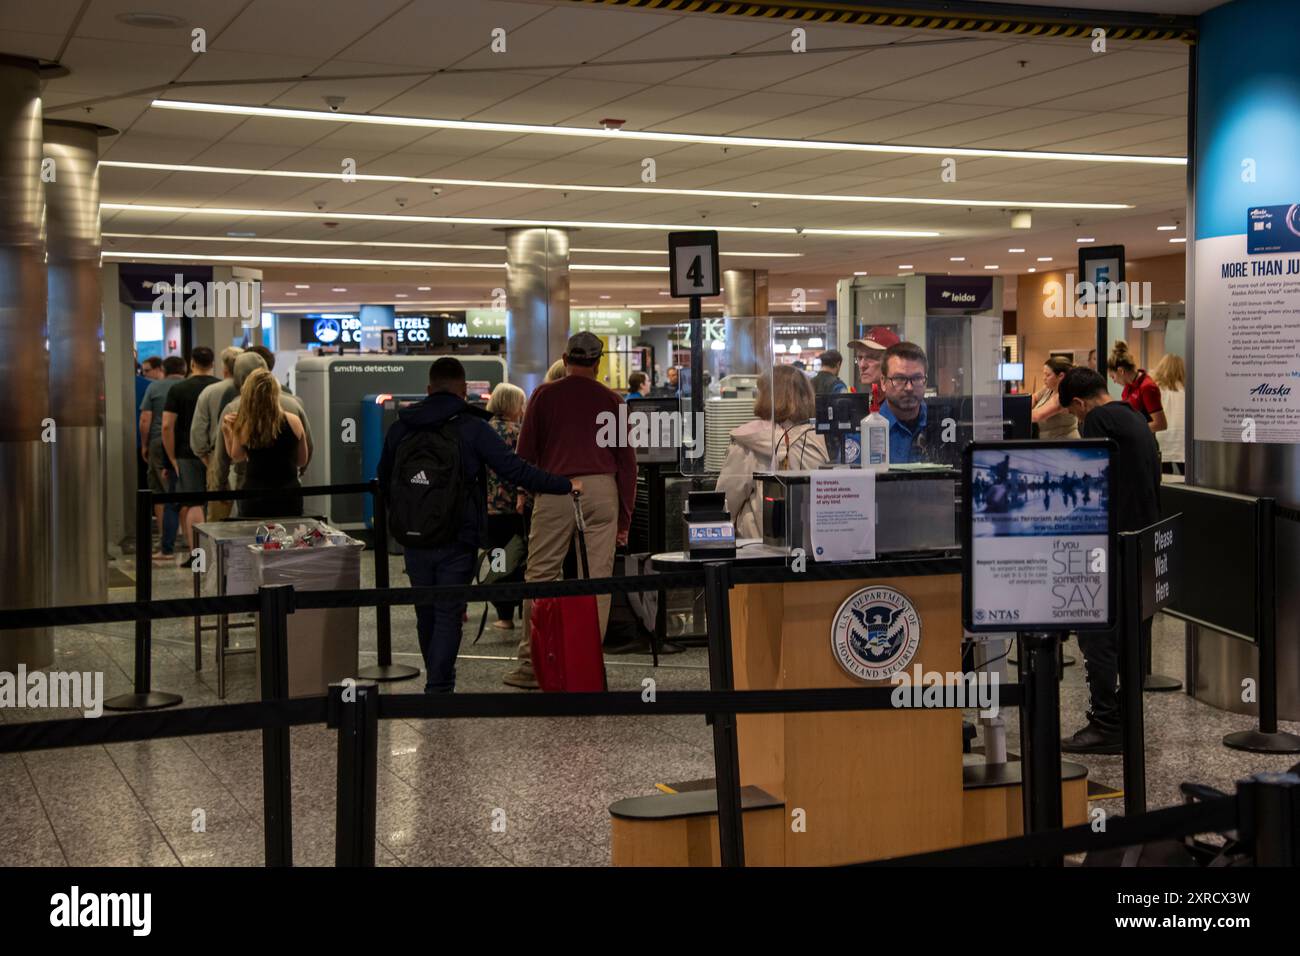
(1040, 731)
(273, 660)
(726, 752)
(354, 711)
(385, 669)
(143, 698)
(1131, 674)
(1267, 738)
(1271, 804)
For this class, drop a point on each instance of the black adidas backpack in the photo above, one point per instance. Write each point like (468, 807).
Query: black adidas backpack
(427, 496)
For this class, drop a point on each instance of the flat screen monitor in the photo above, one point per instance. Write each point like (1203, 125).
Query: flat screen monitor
(1011, 372)
(839, 414)
(654, 429)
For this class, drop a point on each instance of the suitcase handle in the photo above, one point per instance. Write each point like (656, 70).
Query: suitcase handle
(582, 533)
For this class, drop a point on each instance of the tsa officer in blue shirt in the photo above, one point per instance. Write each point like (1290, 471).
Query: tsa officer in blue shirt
(912, 437)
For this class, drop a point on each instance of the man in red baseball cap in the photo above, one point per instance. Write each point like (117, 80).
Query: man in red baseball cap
(867, 353)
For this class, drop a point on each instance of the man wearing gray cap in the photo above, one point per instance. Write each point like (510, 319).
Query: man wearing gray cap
(559, 435)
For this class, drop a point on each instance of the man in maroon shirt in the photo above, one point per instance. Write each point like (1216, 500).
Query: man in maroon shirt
(559, 434)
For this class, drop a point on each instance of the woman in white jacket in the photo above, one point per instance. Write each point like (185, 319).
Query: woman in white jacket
(780, 438)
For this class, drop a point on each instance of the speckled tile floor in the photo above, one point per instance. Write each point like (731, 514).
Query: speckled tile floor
(445, 787)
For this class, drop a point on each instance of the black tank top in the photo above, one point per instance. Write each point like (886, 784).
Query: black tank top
(273, 467)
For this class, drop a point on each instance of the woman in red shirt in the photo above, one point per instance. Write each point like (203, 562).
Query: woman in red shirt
(1140, 389)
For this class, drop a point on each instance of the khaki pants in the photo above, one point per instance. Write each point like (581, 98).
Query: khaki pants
(554, 526)
(217, 510)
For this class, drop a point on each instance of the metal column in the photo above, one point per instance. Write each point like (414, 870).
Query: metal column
(537, 292)
(76, 331)
(24, 365)
(749, 330)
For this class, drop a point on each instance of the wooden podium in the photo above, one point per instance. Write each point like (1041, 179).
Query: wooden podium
(870, 784)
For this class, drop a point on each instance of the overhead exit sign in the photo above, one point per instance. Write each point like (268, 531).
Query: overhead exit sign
(605, 321)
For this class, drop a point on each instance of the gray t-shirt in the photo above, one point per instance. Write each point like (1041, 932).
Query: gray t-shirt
(155, 397)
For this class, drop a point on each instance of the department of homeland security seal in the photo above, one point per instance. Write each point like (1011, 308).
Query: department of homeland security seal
(875, 633)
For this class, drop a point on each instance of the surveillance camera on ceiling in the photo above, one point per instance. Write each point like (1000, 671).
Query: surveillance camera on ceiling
(401, 202)
(335, 103)
(318, 203)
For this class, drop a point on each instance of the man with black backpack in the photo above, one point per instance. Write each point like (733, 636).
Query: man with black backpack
(433, 474)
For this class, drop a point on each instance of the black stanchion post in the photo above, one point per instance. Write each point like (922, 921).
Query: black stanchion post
(143, 697)
(1040, 731)
(726, 752)
(1132, 674)
(1267, 738)
(1270, 807)
(354, 711)
(385, 669)
(273, 660)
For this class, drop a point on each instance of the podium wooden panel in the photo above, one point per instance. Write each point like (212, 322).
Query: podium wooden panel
(873, 783)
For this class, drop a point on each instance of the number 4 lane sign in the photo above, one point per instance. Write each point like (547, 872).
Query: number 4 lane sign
(694, 262)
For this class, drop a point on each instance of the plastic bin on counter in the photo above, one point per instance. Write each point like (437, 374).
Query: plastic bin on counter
(322, 641)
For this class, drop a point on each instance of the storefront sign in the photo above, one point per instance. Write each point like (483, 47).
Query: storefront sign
(1160, 554)
(842, 513)
(331, 328)
(605, 321)
(413, 329)
(1038, 534)
(962, 293)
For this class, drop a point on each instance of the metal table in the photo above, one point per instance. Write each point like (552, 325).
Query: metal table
(226, 556)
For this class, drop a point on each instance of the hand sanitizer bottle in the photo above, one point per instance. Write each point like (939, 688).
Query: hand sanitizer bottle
(875, 442)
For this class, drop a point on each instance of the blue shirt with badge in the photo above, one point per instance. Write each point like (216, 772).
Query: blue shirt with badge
(902, 437)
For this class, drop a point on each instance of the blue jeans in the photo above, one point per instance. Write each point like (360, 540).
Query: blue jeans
(440, 623)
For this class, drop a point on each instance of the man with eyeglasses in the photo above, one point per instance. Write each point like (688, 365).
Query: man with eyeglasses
(912, 437)
(867, 353)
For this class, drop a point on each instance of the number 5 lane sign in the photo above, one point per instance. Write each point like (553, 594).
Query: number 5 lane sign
(693, 257)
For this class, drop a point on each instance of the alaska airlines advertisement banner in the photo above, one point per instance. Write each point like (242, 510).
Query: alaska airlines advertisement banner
(1248, 332)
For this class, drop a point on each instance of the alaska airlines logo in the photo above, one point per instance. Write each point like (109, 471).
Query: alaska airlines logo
(875, 633)
(1263, 388)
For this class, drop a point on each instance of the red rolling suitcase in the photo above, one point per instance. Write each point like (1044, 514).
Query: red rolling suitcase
(565, 634)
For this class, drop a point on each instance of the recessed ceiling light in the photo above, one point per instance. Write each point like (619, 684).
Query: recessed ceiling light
(665, 293)
(907, 267)
(302, 287)
(241, 235)
(1089, 239)
(150, 20)
(1032, 269)
(1165, 228)
(423, 288)
(859, 273)
(604, 297)
(1044, 258)
(956, 258)
(576, 187)
(1178, 239)
(338, 289)
(291, 293)
(659, 137)
(1015, 250)
(486, 221)
(400, 295)
(990, 267)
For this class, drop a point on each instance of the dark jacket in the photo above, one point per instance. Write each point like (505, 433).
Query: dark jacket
(828, 383)
(480, 448)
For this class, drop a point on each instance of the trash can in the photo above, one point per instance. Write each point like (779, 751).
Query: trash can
(322, 641)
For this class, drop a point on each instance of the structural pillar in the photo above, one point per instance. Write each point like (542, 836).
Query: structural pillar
(76, 330)
(537, 295)
(749, 330)
(24, 366)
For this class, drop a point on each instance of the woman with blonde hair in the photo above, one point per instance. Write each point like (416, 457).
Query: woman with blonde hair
(1171, 376)
(555, 372)
(272, 442)
(780, 438)
(505, 502)
(1140, 391)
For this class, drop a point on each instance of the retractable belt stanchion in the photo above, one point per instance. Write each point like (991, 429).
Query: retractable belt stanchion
(354, 712)
(1040, 730)
(726, 750)
(384, 669)
(1271, 811)
(273, 658)
(1267, 738)
(1132, 674)
(143, 697)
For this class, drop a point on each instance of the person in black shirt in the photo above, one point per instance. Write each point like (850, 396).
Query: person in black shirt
(1137, 504)
(178, 413)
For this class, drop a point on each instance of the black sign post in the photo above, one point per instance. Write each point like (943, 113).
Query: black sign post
(693, 274)
(1160, 562)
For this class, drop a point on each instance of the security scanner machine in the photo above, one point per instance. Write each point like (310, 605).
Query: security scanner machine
(871, 784)
(333, 391)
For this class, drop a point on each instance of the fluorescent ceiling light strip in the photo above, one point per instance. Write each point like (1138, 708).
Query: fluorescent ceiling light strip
(317, 261)
(645, 190)
(419, 245)
(484, 221)
(759, 142)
